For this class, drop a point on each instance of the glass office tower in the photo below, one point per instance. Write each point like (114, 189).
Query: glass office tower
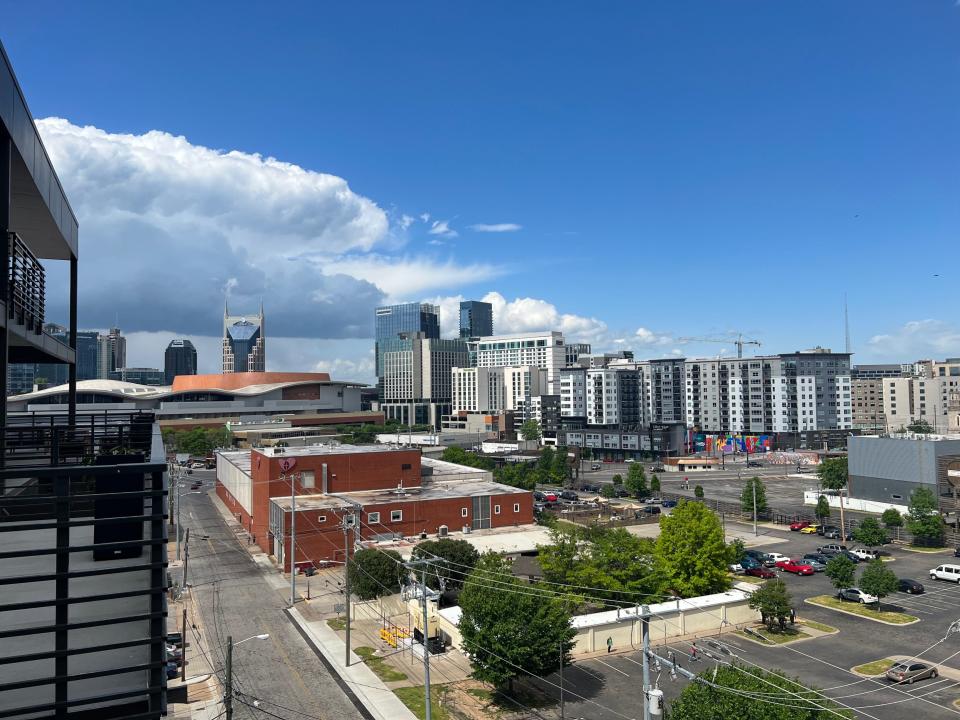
(476, 319)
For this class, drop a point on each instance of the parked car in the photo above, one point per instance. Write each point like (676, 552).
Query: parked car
(657, 468)
(595, 466)
(669, 503)
(909, 672)
(629, 460)
(824, 529)
(569, 495)
(857, 595)
(778, 557)
(853, 558)
(836, 535)
(754, 463)
(622, 492)
(550, 497)
(735, 568)
(748, 561)
(654, 500)
(799, 525)
(197, 466)
(539, 507)
(831, 550)
(909, 586)
(539, 496)
(651, 509)
(817, 558)
(815, 564)
(810, 529)
(763, 558)
(795, 566)
(175, 638)
(196, 485)
(590, 488)
(760, 572)
(946, 572)
(864, 554)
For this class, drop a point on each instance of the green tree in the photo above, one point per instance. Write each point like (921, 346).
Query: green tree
(608, 491)
(618, 479)
(546, 460)
(746, 497)
(561, 466)
(920, 427)
(923, 519)
(891, 518)
(840, 569)
(772, 601)
(703, 701)
(509, 631)
(877, 579)
(833, 473)
(636, 482)
(692, 551)
(698, 492)
(822, 511)
(737, 550)
(530, 430)
(462, 557)
(654, 483)
(870, 533)
(375, 572)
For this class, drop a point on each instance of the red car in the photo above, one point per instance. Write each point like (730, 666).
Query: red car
(550, 496)
(760, 572)
(795, 566)
(799, 525)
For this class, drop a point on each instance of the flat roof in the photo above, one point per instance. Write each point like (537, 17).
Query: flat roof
(327, 449)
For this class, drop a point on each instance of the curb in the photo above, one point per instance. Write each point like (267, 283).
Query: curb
(862, 617)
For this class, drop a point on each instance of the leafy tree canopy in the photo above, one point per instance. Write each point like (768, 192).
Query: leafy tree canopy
(508, 631)
(530, 430)
(840, 569)
(920, 427)
(877, 579)
(698, 492)
(692, 552)
(822, 511)
(870, 533)
(892, 518)
(702, 701)
(461, 554)
(746, 497)
(923, 518)
(772, 601)
(636, 483)
(833, 473)
(654, 483)
(374, 573)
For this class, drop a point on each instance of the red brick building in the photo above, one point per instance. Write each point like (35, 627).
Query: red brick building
(392, 492)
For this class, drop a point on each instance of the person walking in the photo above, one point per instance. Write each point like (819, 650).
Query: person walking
(793, 616)
(694, 652)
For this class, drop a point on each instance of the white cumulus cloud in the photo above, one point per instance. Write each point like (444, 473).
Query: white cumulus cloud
(648, 338)
(496, 227)
(914, 340)
(442, 228)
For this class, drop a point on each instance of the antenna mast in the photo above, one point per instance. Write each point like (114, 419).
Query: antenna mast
(846, 325)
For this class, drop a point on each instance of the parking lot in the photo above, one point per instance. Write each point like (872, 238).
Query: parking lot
(825, 662)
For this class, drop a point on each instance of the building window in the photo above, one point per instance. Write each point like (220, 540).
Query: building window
(373, 518)
(307, 479)
(396, 515)
(516, 507)
(321, 518)
(897, 497)
(496, 509)
(406, 466)
(463, 512)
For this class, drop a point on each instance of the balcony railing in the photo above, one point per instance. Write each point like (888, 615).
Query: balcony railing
(26, 289)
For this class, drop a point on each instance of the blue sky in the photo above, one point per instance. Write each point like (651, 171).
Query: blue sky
(688, 168)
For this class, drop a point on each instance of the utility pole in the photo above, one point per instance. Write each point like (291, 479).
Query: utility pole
(753, 483)
(346, 574)
(228, 681)
(183, 651)
(422, 565)
(843, 527)
(561, 681)
(186, 556)
(177, 490)
(645, 632)
(293, 540)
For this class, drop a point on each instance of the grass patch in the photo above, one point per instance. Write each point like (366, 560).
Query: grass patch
(337, 624)
(748, 579)
(829, 601)
(775, 637)
(413, 698)
(379, 666)
(481, 694)
(919, 549)
(877, 667)
(818, 626)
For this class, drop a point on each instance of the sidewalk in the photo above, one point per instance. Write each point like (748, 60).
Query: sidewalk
(363, 682)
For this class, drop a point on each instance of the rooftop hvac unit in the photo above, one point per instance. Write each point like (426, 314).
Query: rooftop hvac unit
(443, 531)
(466, 529)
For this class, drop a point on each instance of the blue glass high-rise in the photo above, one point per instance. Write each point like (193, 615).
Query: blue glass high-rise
(476, 319)
(391, 320)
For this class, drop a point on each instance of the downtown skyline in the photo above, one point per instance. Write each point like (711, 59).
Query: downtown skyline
(731, 180)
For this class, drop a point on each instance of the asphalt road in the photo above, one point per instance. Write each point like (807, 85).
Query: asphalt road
(609, 685)
(234, 598)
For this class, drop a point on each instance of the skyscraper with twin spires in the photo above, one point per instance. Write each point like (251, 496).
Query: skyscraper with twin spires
(244, 347)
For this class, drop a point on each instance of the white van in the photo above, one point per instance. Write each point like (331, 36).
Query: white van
(946, 572)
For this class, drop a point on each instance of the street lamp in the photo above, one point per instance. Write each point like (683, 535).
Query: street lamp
(228, 694)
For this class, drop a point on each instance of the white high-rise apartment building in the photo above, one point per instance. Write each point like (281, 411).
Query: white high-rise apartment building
(545, 350)
(927, 398)
(493, 389)
(791, 392)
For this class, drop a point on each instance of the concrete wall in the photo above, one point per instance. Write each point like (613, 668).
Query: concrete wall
(810, 497)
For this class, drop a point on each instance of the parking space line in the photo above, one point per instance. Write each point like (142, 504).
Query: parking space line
(582, 669)
(611, 667)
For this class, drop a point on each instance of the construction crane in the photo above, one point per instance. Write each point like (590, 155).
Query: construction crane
(738, 341)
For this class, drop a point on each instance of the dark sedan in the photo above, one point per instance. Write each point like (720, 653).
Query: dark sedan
(760, 572)
(669, 503)
(909, 586)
